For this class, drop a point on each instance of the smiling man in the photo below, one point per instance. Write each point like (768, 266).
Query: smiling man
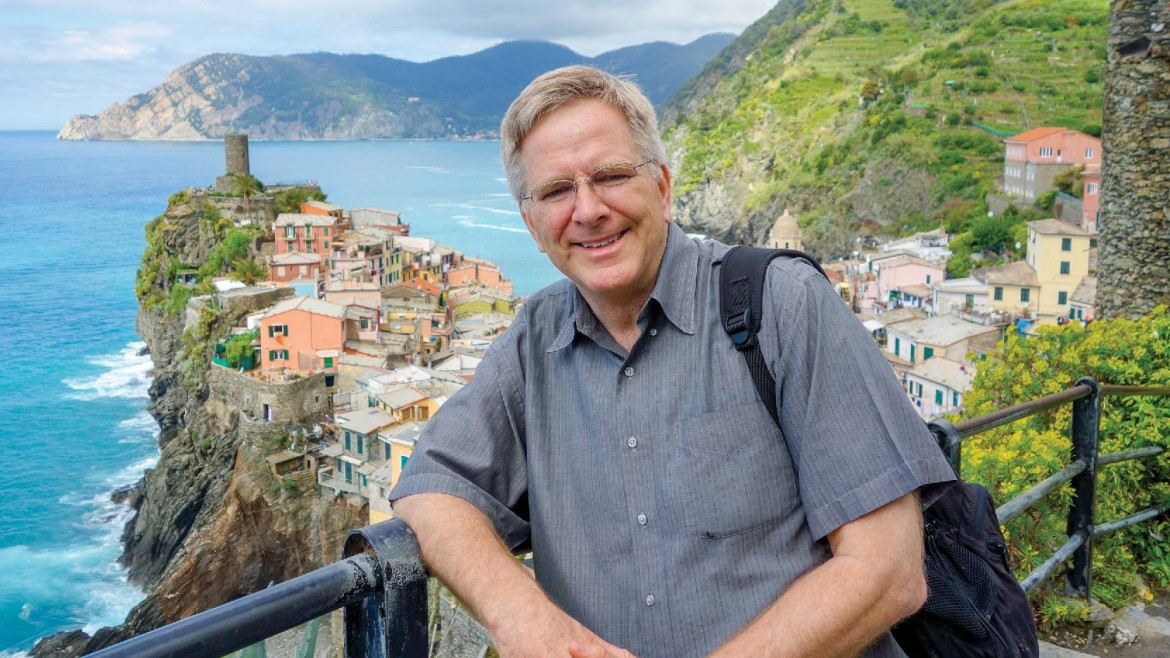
(615, 431)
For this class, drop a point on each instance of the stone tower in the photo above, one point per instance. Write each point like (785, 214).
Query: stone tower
(1133, 271)
(236, 152)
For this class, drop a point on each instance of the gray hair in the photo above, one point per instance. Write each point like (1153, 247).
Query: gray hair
(564, 86)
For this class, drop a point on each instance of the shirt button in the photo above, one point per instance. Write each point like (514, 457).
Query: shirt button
(653, 332)
(629, 371)
(649, 599)
(632, 442)
(641, 519)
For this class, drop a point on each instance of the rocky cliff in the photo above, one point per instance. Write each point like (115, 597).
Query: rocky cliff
(212, 524)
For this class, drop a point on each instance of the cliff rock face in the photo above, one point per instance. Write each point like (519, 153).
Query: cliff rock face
(212, 524)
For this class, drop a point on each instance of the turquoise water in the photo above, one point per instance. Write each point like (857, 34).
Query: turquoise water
(73, 391)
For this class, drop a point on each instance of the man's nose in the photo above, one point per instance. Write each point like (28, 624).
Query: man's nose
(588, 206)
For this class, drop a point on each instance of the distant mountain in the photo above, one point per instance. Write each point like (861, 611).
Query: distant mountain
(876, 115)
(331, 96)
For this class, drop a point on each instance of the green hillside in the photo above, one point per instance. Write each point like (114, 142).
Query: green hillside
(878, 115)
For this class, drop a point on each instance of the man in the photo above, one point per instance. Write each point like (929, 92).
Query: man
(615, 430)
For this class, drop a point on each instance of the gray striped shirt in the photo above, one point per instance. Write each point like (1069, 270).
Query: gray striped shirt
(664, 508)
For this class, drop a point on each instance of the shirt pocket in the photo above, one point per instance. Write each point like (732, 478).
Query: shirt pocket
(735, 472)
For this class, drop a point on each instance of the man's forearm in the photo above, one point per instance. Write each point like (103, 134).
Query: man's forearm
(839, 608)
(461, 548)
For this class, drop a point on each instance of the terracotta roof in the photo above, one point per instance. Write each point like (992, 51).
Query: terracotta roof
(308, 305)
(917, 290)
(942, 330)
(1035, 133)
(1019, 273)
(904, 314)
(313, 203)
(296, 258)
(1086, 292)
(1056, 227)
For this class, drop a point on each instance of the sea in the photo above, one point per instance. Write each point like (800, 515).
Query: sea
(73, 379)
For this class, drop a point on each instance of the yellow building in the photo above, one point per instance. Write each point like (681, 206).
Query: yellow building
(398, 442)
(1059, 253)
(1040, 287)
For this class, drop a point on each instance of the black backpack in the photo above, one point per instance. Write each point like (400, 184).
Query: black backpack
(974, 605)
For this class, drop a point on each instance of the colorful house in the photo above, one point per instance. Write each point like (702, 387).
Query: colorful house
(399, 441)
(1091, 198)
(1059, 253)
(306, 233)
(937, 386)
(291, 266)
(302, 334)
(478, 271)
(944, 335)
(885, 276)
(357, 453)
(1033, 159)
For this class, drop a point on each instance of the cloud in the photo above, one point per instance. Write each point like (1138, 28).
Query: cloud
(120, 42)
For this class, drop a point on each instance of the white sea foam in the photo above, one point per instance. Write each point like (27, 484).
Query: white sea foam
(495, 227)
(127, 376)
(141, 429)
(433, 170)
(471, 206)
(13, 654)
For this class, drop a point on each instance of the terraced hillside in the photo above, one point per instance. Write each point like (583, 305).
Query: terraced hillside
(877, 115)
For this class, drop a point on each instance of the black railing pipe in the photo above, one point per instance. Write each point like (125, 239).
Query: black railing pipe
(1042, 572)
(237, 624)
(1020, 504)
(1132, 519)
(1126, 455)
(1086, 424)
(1011, 414)
(392, 624)
(950, 440)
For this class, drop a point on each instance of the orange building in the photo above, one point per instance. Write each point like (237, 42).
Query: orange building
(286, 267)
(475, 270)
(1091, 199)
(302, 334)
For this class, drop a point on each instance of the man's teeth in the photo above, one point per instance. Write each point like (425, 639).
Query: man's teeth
(593, 245)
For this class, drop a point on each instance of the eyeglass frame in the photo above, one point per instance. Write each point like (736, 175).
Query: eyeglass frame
(588, 179)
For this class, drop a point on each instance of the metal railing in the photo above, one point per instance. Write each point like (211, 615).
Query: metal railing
(382, 585)
(1086, 398)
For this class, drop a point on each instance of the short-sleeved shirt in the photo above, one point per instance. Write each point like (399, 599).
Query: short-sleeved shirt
(664, 507)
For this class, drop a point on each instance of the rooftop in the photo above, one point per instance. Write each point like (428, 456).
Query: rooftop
(301, 219)
(1086, 292)
(296, 258)
(402, 396)
(308, 305)
(1018, 273)
(941, 370)
(942, 330)
(365, 421)
(1057, 227)
(1036, 133)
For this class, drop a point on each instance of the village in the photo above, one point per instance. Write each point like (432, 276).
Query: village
(372, 329)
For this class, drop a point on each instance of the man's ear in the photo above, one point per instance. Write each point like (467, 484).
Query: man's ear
(664, 189)
(528, 224)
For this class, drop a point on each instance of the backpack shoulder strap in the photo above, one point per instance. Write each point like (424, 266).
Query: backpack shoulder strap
(741, 301)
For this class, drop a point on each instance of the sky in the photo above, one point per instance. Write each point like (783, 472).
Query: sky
(64, 57)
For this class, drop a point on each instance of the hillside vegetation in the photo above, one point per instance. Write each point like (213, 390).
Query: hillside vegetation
(877, 115)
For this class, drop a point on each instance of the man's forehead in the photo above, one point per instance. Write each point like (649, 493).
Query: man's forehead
(595, 123)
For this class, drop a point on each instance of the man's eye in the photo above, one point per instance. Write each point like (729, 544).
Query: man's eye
(615, 175)
(553, 191)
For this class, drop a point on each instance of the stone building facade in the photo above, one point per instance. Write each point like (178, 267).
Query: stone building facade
(1134, 220)
(299, 401)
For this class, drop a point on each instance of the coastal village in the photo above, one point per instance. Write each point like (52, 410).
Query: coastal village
(372, 329)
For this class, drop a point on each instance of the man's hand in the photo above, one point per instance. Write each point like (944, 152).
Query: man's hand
(462, 549)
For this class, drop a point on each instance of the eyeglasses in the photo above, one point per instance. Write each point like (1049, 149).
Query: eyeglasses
(605, 181)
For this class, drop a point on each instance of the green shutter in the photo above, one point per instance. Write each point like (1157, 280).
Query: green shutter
(938, 397)
(927, 352)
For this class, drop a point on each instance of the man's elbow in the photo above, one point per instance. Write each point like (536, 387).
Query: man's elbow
(909, 594)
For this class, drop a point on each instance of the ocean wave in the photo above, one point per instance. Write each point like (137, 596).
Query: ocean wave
(496, 227)
(140, 429)
(127, 376)
(13, 654)
(433, 170)
(470, 206)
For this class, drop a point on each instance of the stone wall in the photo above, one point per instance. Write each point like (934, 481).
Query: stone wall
(1134, 257)
(300, 401)
(454, 632)
(235, 149)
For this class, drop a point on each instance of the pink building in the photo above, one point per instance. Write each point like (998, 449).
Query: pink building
(302, 334)
(298, 232)
(1032, 159)
(286, 267)
(475, 270)
(886, 277)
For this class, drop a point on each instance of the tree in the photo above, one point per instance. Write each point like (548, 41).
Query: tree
(993, 233)
(246, 185)
(249, 271)
(1071, 181)
(870, 90)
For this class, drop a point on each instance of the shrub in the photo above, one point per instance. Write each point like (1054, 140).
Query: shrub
(1010, 459)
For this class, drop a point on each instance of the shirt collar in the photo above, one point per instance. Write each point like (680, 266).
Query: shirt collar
(674, 291)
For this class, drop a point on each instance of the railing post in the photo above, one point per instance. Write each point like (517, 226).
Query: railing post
(949, 440)
(1086, 422)
(394, 623)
